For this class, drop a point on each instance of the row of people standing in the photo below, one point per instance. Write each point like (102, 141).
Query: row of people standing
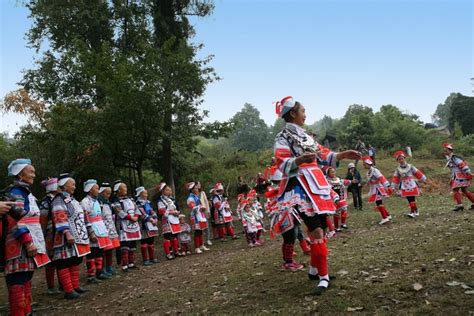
(59, 232)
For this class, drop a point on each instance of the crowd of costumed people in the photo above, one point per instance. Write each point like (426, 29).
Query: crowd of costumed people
(301, 198)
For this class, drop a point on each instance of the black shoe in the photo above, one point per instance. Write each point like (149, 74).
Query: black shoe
(72, 296)
(81, 290)
(321, 289)
(93, 281)
(134, 267)
(314, 277)
(154, 261)
(472, 207)
(458, 208)
(103, 277)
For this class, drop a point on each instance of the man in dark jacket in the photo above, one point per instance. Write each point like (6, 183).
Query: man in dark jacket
(356, 185)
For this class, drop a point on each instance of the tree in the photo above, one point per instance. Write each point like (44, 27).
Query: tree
(128, 64)
(442, 114)
(462, 114)
(356, 123)
(251, 131)
(395, 129)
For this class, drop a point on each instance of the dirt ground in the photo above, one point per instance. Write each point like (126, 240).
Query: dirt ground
(410, 266)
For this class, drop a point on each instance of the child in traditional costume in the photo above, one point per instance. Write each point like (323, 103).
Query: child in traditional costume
(184, 236)
(379, 189)
(339, 186)
(404, 181)
(461, 177)
(149, 221)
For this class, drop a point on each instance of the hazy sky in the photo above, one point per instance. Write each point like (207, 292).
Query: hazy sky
(327, 54)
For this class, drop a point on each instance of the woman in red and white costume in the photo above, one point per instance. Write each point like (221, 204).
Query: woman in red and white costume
(461, 177)
(379, 188)
(222, 214)
(198, 216)
(21, 238)
(171, 228)
(405, 180)
(304, 187)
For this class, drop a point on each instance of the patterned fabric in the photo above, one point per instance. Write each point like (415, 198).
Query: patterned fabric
(46, 206)
(126, 208)
(251, 221)
(19, 233)
(95, 223)
(148, 229)
(303, 185)
(405, 179)
(377, 185)
(460, 172)
(222, 213)
(198, 215)
(339, 186)
(169, 222)
(185, 235)
(68, 215)
(108, 217)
